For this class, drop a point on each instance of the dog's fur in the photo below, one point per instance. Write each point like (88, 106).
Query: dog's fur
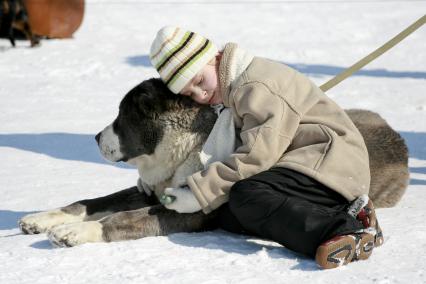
(161, 134)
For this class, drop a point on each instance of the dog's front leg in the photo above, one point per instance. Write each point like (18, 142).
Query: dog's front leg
(86, 210)
(69, 235)
(115, 227)
(130, 225)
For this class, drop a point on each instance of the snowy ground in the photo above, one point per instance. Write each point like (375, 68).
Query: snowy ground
(56, 97)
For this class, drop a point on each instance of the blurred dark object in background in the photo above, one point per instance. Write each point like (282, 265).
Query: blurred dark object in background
(14, 22)
(35, 19)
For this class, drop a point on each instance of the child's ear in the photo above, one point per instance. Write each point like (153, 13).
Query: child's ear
(215, 60)
(218, 57)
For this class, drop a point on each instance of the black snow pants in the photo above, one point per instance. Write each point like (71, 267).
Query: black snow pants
(287, 207)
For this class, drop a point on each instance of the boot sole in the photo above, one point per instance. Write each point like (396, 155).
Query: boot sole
(378, 238)
(344, 249)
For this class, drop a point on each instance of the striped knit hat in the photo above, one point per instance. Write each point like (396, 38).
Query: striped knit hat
(178, 55)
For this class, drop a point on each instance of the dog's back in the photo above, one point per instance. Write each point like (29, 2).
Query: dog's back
(388, 155)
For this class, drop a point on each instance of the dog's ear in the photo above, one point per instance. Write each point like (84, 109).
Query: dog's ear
(148, 105)
(151, 97)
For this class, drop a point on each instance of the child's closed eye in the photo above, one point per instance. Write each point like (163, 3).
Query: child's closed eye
(200, 81)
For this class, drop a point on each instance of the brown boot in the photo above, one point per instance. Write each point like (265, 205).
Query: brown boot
(363, 210)
(343, 249)
(368, 217)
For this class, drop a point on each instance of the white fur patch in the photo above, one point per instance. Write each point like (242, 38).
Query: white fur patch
(169, 154)
(74, 234)
(43, 221)
(109, 144)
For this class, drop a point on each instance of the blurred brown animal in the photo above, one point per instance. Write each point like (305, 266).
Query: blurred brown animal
(55, 18)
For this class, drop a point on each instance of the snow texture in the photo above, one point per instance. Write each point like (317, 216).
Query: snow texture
(55, 98)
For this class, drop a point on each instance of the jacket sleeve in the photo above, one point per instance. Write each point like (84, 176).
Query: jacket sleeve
(268, 125)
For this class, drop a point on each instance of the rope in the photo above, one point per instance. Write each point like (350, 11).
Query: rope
(361, 63)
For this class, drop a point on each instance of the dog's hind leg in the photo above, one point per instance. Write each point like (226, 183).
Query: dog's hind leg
(130, 225)
(153, 221)
(86, 210)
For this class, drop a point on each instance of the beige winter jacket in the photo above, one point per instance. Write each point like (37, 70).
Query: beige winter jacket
(285, 121)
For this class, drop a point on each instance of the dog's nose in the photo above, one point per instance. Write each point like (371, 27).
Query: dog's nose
(97, 137)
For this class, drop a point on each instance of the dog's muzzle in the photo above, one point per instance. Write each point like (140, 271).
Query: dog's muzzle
(109, 144)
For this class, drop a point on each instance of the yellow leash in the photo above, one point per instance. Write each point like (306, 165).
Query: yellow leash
(361, 63)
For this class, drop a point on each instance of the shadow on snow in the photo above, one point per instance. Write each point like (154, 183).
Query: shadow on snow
(82, 147)
(314, 70)
(416, 142)
(9, 219)
(243, 245)
(65, 146)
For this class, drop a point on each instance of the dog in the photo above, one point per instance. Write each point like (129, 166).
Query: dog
(162, 134)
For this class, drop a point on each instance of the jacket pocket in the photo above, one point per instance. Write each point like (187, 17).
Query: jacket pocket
(309, 146)
(328, 132)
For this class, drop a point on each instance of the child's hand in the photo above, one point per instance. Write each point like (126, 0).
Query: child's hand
(185, 201)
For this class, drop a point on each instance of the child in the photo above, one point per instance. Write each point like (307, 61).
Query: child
(301, 174)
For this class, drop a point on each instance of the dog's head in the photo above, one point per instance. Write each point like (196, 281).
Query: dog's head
(148, 114)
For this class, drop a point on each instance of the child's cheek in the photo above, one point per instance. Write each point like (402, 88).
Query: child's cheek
(211, 83)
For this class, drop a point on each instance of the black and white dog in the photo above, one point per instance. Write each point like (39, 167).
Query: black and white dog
(162, 135)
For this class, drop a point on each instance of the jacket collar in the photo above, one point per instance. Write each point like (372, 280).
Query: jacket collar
(233, 63)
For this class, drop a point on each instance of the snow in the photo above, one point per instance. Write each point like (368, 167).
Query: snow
(55, 98)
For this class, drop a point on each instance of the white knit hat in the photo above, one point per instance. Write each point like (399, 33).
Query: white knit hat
(178, 55)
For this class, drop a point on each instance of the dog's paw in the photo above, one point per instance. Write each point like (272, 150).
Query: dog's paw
(74, 234)
(41, 222)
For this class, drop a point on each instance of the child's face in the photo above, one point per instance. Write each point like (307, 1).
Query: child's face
(204, 87)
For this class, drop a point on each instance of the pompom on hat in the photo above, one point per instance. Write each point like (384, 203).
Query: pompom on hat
(178, 55)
